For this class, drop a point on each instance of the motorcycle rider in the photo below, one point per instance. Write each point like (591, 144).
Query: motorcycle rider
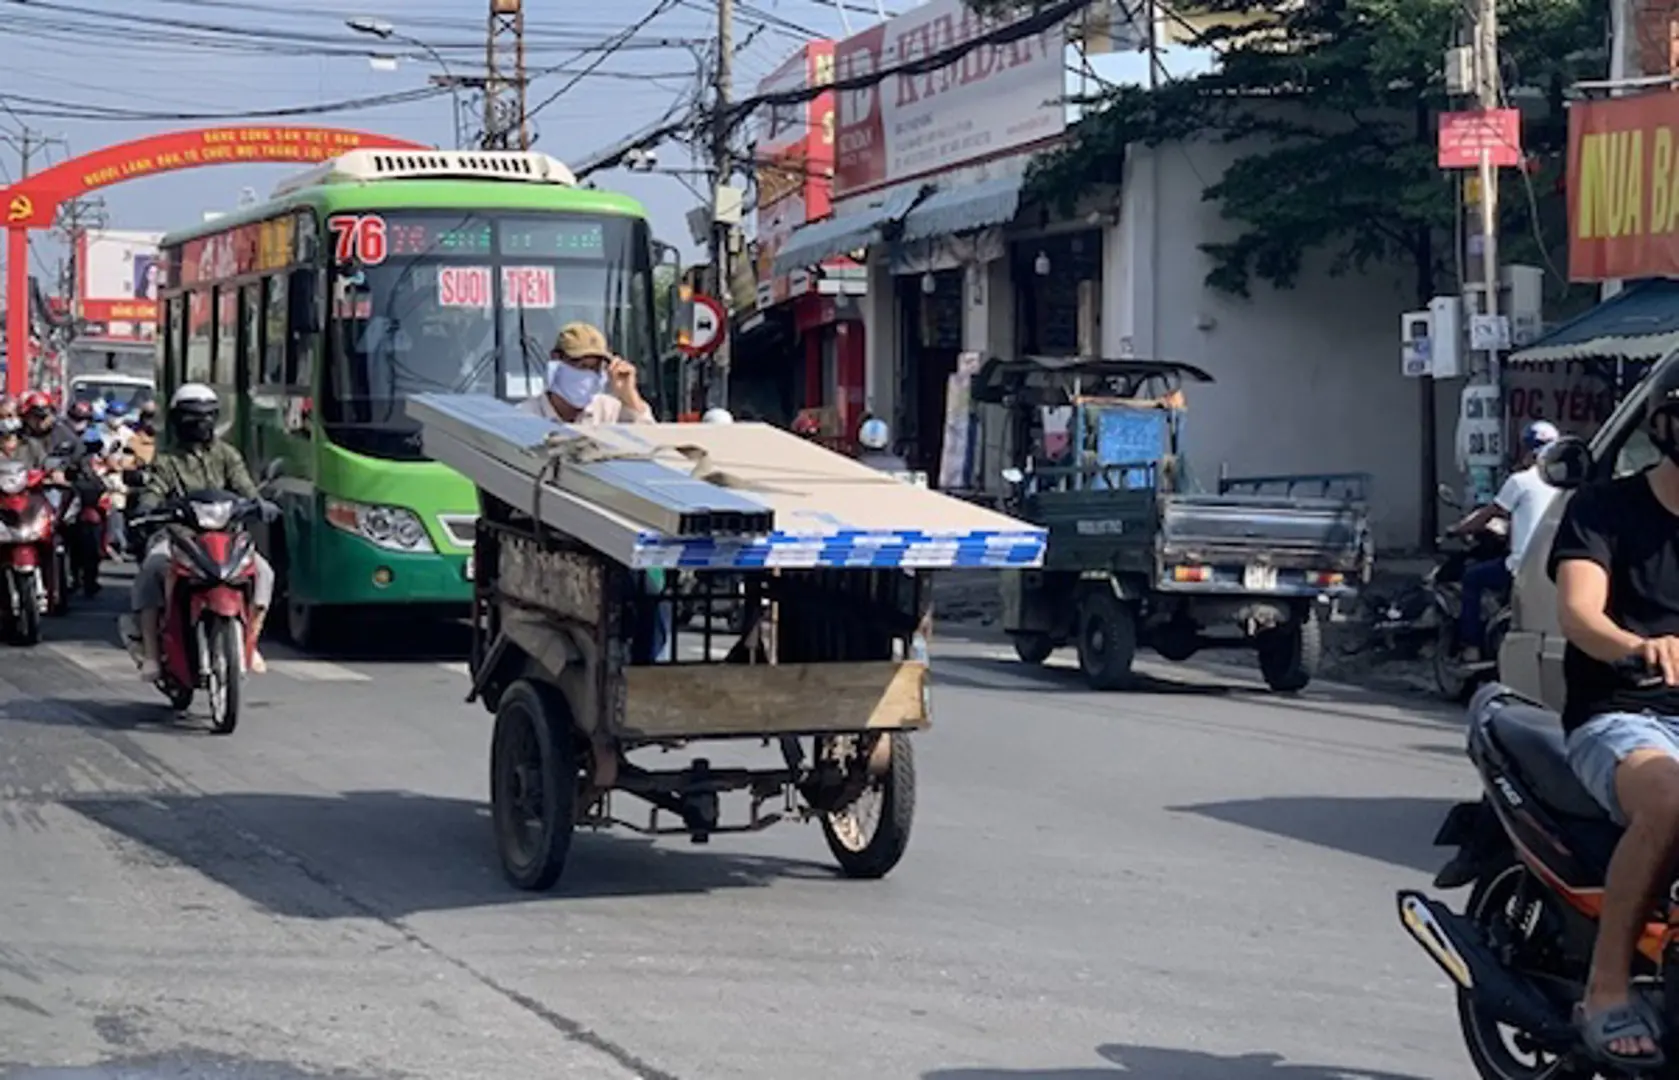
(1615, 560)
(45, 436)
(192, 460)
(1521, 503)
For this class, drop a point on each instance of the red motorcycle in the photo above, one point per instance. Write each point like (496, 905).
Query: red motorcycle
(30, 577)
(205, 637)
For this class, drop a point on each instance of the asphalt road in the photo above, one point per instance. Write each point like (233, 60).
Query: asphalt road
(1189, 882)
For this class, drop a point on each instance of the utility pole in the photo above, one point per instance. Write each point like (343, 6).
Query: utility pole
(722, 167)
(1484, 43)
(505, 126)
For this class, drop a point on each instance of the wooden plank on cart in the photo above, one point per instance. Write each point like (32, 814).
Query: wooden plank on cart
(703, 701)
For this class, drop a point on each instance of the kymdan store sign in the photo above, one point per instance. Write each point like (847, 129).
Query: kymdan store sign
(1623, 188)
(995, 99)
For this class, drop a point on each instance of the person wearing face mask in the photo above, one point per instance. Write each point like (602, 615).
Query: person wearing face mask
(1615, 561)
(587, 384)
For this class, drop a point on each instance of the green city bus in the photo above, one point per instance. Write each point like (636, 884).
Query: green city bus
(373, 277)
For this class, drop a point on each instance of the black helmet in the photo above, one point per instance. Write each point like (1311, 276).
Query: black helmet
(193, 412)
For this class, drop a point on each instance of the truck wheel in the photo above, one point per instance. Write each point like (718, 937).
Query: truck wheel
(1032, 647)
(1107, 641)
(870, 851)
(1289, 656)
(533, 785)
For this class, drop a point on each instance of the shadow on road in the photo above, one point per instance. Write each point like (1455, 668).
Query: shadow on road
(392, 854)
(1164, 1063)
(1393, 829)
(964, 671)
(179, 1065)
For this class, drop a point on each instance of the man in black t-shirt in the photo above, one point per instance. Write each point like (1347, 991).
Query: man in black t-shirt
(1616, 564)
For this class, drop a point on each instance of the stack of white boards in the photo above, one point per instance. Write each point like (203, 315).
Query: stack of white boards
(713, 496)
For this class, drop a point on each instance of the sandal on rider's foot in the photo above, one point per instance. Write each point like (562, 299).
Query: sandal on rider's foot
(1615, 1024)
(257, 665)
(150, 672)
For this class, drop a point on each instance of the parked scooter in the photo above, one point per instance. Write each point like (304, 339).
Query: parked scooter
(28, 577)
(1455, 677)
(205, 637)
(1535, 848)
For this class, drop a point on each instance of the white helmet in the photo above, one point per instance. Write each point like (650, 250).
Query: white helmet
(717, 416)
(193, 393)
(873, 434)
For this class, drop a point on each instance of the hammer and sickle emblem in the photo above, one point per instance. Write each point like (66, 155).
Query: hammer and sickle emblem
(21, 208)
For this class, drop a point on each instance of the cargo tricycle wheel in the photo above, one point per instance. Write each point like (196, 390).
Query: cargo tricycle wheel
(533, 784)
(1107, 640)
(869, 835)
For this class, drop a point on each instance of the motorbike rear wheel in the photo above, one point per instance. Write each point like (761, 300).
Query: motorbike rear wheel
(1449, 677)
(226, 643)
(1496, 1049)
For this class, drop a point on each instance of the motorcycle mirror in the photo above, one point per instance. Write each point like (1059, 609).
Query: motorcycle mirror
(273, 471)
(1446, 495)
(1013, 476)
(1567, 463)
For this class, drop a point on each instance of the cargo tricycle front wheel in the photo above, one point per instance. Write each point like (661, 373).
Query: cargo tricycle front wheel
(869, 834)
(534, 782)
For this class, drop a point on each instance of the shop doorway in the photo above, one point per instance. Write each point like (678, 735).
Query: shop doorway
(930, 344)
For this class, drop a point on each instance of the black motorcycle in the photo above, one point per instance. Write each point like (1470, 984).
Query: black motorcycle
(1535, 848)
(1455, 677)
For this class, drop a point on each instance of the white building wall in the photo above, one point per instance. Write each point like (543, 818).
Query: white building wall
(1307, 379)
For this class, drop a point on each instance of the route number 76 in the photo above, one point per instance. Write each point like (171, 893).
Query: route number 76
(358, 238)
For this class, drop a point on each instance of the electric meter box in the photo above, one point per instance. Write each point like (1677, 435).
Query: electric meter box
(1446, 324)
(1522, 297)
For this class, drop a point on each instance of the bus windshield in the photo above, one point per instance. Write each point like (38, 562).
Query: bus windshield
(471, 302)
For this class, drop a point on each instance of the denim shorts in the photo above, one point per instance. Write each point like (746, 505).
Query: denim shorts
(1597, 748)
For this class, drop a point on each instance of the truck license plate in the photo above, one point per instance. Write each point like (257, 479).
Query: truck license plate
(1259, 578)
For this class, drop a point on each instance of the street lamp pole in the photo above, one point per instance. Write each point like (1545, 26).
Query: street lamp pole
(384, 31)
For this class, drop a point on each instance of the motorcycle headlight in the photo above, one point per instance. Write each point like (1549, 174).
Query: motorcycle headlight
(13, 479)
(212, 516)
(30, 529)
(391, 527)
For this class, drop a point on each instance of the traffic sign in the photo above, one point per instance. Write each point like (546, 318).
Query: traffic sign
(710, 324)
(1466, 136)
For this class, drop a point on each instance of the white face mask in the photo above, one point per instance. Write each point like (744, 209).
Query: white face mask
(575, 386)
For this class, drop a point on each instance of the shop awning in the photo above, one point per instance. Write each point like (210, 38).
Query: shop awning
(963, 209)
(824, 239)
(1641, 322)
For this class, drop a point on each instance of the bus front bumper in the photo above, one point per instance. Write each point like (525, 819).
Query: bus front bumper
(354, 572)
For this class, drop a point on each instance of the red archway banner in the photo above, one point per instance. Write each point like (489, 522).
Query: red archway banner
(33, 202)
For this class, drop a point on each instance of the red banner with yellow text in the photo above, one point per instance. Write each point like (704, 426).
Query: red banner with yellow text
(1623, 188)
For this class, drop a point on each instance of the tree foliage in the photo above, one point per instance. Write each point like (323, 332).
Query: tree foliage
(1334, 104)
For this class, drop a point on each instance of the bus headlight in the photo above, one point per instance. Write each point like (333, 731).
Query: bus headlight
(390, 527)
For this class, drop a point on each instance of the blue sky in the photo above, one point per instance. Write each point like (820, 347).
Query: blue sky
(264, 54)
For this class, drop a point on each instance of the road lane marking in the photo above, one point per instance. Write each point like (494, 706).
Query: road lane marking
(316, 671)
(108, 661)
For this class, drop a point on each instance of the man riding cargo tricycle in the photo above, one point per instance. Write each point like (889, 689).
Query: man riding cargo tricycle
(1135, 556)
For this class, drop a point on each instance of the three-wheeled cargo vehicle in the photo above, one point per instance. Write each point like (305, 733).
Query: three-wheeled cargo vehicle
(1136, 557)
(578, 655)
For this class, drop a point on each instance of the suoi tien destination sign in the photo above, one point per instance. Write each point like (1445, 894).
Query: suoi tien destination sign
(994, 99)
(1623, 188)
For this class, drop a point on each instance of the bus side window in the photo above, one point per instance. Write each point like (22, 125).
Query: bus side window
(250, 353)
(303, 317)
(174, 326)
(226, 361)
(200, 325)
(274, 332)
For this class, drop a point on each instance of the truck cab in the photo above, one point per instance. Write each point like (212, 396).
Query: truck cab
(1530, 660)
